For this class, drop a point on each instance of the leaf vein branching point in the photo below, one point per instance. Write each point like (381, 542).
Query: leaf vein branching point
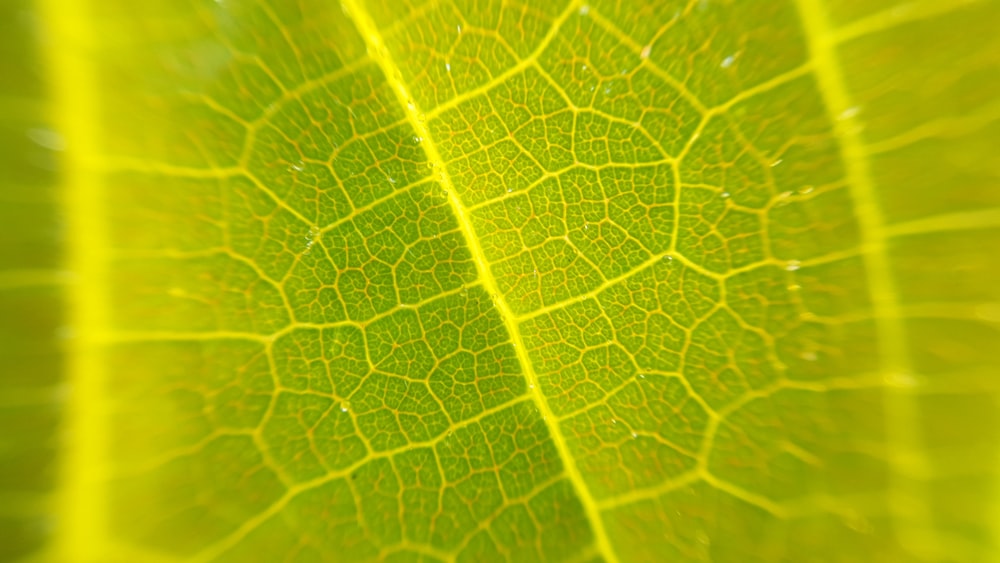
(216, 549)
(522, 65)
(378, 51)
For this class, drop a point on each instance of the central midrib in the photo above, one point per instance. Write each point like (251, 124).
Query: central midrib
(380, 54)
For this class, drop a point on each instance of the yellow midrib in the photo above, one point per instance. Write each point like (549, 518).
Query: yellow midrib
(901, 415)
(378, 51)
(81, 509)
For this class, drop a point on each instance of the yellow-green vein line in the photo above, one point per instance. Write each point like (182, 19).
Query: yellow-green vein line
(905, 495)
(82, 510)
(521, 66)
(378, 51)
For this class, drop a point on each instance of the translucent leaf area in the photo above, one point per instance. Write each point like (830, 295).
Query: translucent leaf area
(499, 280)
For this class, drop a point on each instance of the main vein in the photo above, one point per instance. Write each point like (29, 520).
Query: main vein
(378, 51)
(82, 497)
(895, 366)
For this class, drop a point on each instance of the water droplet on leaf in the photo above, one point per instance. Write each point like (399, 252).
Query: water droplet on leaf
(849, 113)
(47, 138)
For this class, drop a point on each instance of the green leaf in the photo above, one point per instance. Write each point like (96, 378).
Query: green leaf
(477, 280)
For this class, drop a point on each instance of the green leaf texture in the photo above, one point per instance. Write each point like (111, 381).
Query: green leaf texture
(524, 280)
(32, 283)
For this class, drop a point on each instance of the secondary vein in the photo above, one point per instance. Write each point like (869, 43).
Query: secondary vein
(905, 493)
(82, 493)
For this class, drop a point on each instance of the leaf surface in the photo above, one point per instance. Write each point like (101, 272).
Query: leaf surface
(476, 281)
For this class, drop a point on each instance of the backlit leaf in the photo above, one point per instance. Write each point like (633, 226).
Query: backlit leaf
(476, 280)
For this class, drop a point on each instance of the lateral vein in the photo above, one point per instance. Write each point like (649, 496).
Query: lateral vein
(906, 495)
(82, 495)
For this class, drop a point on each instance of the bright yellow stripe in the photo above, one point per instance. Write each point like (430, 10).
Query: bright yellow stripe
(378, 51)
(82, 512)
(911, 513)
